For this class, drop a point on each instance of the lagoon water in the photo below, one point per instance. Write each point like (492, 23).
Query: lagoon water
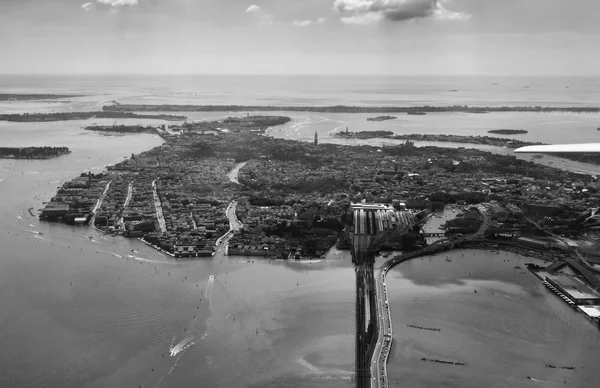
(499, 320)
(83, 309)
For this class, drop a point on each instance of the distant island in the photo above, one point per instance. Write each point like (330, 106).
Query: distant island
(381, 118)
(31, 97)
(487, 140)
(363, 134)
(484, 140)
(508, 131)
(417, 113)
(230, 124)
(497, 142)
(257, 124)
(32, 152)
(65, 116)
(121, 128)
(342, 109)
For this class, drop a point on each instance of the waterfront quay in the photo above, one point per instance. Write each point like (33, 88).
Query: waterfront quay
(76, 201)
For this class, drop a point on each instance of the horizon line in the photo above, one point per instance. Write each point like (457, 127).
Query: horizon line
(337, 75)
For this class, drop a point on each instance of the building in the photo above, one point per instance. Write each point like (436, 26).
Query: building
(533, 243)
(574, 288)
(54, 210)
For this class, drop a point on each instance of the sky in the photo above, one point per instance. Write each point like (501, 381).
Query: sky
(330, 37)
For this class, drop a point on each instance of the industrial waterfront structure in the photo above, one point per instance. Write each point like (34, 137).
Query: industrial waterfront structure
(574, 288)
(372, 224)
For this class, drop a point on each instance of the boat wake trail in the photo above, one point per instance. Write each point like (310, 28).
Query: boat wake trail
(209, 287)
(138, 258)
(541, 381)
(113, 254)
(182, 345)
(325, 373)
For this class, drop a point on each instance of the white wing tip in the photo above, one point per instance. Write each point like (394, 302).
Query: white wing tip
(561, 148)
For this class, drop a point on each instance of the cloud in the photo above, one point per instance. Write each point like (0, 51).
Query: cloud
(118, 3)
(88, 6)
(304, 23)
(366, 18)
(264, 17)
(373, 11)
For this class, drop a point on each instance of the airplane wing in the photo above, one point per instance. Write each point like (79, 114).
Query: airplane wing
(560, 148)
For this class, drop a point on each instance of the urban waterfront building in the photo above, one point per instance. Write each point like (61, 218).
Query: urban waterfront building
(574, 288)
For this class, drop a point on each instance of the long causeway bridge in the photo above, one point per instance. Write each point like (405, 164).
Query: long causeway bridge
(373, 225)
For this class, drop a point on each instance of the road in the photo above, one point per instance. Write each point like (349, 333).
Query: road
(384, 334)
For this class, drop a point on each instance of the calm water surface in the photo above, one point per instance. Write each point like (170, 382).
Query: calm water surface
(499, 320)
(83, 309)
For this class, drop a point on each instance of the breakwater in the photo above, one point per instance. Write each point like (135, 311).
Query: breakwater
(424, 328)
(443, 361)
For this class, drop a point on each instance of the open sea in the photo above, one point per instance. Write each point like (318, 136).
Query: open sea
(79, 309)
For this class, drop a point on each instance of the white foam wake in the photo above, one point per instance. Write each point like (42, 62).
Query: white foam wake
(542, 381)
(112, 253)
(209, 286)
(181, 345)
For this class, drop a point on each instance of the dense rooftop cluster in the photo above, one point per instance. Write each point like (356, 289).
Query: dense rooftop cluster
(293, 197)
